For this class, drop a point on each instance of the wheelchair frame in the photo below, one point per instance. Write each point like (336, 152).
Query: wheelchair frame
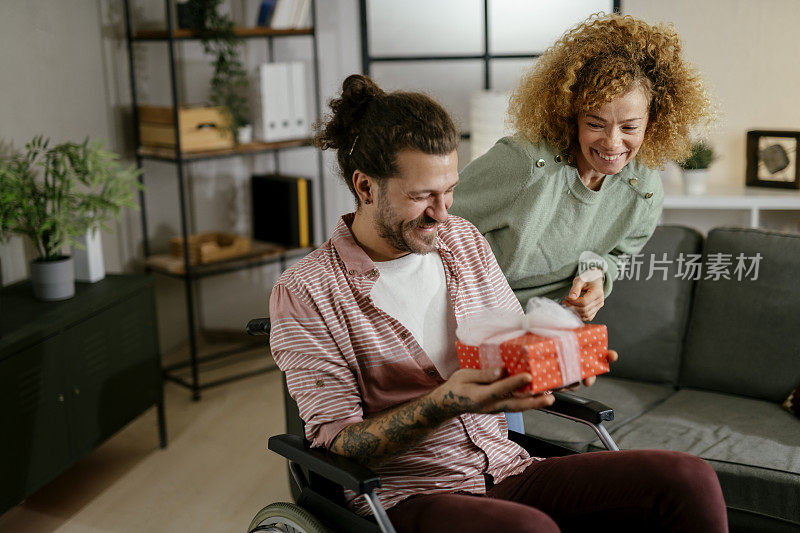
(328, 473)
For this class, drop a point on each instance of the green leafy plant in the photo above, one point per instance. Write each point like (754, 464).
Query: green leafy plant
(702, 156)
(229, 84)
(54, 195)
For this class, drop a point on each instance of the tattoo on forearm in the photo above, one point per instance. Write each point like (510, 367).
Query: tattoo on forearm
(357, 442)
(401, 425)
(373, 441)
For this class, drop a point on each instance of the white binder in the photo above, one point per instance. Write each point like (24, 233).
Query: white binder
(282, 17)
(301, 14)
(276, 103)
(299, 109)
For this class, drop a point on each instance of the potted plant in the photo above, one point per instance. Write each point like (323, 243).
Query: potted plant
(230, 83)
(695, 168)
(6, 209)
(54, 195)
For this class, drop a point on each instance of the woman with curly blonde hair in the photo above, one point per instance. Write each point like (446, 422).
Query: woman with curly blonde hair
(596, 115)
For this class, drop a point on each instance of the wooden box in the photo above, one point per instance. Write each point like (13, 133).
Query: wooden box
(211, 246)
(201, 128)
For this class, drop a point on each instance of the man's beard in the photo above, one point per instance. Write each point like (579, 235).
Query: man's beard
(401, 234)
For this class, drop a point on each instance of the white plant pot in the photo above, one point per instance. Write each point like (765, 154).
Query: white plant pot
(89, 264)
(245, 134)
(53, 280)
(695, 181)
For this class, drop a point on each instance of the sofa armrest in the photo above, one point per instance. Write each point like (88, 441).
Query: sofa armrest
(572, 406)
(340, 470)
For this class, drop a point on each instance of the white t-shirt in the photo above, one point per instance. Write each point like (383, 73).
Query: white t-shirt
(413, 290)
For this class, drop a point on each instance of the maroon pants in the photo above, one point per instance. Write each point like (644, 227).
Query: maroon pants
(638, 490)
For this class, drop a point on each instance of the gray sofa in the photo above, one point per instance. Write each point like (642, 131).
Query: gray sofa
(704, 366)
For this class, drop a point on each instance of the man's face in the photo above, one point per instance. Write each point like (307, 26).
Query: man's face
(411, 206)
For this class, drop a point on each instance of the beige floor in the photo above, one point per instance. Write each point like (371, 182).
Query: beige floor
(214, 475)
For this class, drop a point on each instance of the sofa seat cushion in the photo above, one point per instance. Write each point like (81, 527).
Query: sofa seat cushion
(754, 446)
(629, 399)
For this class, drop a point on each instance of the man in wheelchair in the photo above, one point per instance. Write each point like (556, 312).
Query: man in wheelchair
(364, 329)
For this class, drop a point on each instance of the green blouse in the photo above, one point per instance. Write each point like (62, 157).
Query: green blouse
(538, 215)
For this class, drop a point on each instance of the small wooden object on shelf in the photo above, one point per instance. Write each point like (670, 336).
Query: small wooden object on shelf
(259, 252)
(168, 154)
(211, 246)
(201, 128)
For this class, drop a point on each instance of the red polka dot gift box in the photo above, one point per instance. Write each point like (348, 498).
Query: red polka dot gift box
(549, 341)
(540, 356)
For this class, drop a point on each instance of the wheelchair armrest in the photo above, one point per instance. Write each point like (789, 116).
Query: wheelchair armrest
(539, 447)
(258, 326)
(341, 470)
(584, 409)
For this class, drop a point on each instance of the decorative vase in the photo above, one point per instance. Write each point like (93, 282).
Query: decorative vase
(245, 134)
(89, 263)
(487, 111)
(53, 280)
(694, 181)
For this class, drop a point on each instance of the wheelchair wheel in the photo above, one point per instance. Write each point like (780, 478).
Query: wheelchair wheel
(281, 517)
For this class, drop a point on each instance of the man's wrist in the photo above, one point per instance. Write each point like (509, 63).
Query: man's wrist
(456, 402)
(441, 404)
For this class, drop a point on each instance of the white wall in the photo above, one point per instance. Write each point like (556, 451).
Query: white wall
(749, 54)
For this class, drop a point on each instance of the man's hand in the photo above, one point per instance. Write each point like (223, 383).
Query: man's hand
(381, 437)
(588, 382)
(486, 391)
(586, 297)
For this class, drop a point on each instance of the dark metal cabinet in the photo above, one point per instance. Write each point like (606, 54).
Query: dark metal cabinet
(35, 437)
(72, 374)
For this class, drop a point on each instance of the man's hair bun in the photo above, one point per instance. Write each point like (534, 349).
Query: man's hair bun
(358, 92)
(368, 126)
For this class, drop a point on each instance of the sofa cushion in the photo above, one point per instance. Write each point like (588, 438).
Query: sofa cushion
(754, 446)
(629, 399)
(647, 318)
(742, 335)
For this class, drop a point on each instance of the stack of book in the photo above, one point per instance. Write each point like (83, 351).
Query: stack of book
(282, 210)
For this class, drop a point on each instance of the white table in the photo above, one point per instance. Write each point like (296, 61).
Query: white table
(732, 197)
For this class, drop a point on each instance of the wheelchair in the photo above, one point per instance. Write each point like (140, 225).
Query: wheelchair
(320, 476)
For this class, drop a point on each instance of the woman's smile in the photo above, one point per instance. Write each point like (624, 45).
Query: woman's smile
(608, 157)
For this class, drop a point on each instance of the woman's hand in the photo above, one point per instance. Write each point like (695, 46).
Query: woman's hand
(586, 297)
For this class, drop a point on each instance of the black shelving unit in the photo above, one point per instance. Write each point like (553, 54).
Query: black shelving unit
(367, 58)
(262, 254)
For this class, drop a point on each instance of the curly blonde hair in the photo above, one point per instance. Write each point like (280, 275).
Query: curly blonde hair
(599, 60)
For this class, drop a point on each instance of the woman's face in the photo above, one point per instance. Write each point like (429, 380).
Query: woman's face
(610, 137)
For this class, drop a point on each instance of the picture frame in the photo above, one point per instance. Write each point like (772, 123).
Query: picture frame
(772, 159)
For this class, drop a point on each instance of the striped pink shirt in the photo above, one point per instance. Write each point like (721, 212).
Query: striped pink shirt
(346, 360)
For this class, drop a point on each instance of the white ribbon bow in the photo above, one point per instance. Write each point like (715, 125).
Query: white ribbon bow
(492, 327)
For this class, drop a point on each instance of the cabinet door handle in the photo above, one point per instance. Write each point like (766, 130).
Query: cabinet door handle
(60, 398)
